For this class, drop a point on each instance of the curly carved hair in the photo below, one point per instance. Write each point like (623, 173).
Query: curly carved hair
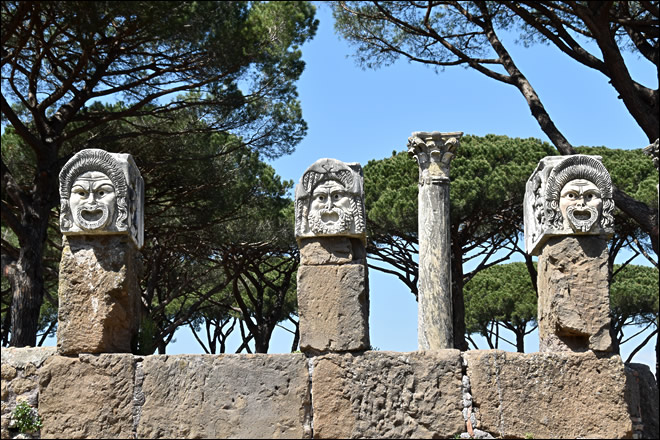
(579, 166)
(93, 160)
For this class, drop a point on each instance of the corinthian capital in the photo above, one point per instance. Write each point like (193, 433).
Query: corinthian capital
(433, 152)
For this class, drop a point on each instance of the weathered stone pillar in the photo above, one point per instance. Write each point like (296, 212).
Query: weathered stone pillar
(568, 221)
(333, 286)
(102, 199)
(434, 152)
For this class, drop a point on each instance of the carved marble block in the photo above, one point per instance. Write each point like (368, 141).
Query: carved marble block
(330, 201)
(333, 286)
(567, 195)
(434, 152)
(102, 193)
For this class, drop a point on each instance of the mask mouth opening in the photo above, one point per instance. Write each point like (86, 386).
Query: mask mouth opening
(92, 217)
(329, 216)
(329, 221)
(582, 219)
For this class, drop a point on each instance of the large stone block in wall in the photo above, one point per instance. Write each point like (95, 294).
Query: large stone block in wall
(99, 295)
(20, 380)
(550, 395)
(87, 397)
(388, 395)
(574, 300)
(226, 396)
(333, 304)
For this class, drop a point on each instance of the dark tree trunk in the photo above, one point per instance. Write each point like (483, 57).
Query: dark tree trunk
(262, 340)
(458, 304)
(26, 276)
(520, 340)
(296, 337)
(27, 289)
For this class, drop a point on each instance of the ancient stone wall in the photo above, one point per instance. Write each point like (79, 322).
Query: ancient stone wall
(424, 394)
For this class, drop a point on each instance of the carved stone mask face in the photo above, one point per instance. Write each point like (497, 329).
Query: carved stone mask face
(330, 210)
(92, 201)
(581, 204)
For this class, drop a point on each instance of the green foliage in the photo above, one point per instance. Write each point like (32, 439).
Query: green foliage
(501, 293)
(487, 173)
(390, 188)
(634, 295)
(196, 90)
(25, 418)
(631, 171)
(490, 172)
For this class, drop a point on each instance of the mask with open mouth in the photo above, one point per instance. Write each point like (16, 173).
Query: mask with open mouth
(92, 201)
(581, 219)
(329, 221)
(330, 210)
(581, 204)
(91, 217)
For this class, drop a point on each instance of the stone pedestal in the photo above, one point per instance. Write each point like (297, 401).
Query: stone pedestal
(574, 300)
(333, 295)
(333, 286)
(434, 152)
(99, 295)
(568, 211)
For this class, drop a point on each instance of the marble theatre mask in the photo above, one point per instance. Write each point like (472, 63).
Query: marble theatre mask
(330, 200)
(567, 195)
(101, 193)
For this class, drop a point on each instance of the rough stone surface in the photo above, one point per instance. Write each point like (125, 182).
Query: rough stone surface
(643, 391)
(20, 380)
(477, 394)
(388, 395)
(549, 395)
(99, 295)
(574, 297)
(226, 396)
(87, 397)
(333, 305)
(24, 357)
(331, 250)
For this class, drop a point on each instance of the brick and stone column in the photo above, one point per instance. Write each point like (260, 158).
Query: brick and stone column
(102, 199)
(434, 152)
(333, 286)
(568, 222)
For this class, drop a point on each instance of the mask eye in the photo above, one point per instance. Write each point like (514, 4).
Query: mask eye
(321, 198)
(335, 197)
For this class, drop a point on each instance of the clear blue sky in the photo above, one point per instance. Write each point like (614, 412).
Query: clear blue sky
(356, 115)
